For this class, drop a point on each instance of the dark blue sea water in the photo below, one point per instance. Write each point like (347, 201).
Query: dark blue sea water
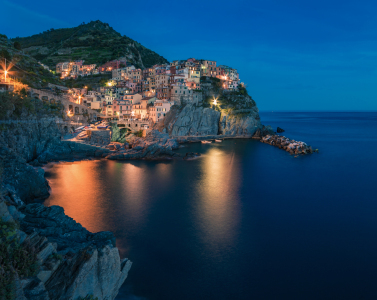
(244, 221)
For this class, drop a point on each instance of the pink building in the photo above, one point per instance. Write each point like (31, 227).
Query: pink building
(158, 111)
(122, 109)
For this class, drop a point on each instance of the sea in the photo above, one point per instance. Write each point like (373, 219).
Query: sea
(245, 220)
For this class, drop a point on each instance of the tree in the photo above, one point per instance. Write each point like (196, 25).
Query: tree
(17, 45)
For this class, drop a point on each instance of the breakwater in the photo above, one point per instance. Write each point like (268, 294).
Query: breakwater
(291, 146)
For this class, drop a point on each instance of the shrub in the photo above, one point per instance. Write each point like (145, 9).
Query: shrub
(5, 54)
(17, 45)
(15, 259)
(13, 105)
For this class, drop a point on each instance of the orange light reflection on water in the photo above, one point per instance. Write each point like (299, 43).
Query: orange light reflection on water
(132, 182)
(80, 192)
(218, 211)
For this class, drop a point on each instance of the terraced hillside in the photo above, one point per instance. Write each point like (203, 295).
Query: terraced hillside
(95, 42)
(22, 67)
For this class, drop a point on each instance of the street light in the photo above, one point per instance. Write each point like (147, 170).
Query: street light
(5, 73)
(215, 101)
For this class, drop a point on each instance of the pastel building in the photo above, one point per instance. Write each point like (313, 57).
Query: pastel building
(134, 98)
(159, 109)
(122, 109)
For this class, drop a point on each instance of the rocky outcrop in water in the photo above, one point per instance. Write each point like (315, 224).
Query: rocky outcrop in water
(234, 114)
(155, 145)
(291, 146)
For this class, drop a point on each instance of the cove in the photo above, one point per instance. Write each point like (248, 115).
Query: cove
(245, 220)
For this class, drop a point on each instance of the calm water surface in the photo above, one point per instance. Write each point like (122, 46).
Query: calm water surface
(244, 221)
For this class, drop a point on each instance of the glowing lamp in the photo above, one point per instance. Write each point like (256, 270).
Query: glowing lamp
(215, 101)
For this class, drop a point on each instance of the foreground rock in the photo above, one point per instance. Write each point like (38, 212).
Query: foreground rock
(155, 145)
(291, 146)
(72, 262)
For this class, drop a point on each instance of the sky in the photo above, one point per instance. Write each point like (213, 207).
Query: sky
(293, 55)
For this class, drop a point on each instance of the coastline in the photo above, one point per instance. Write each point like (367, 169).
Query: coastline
(72, 262)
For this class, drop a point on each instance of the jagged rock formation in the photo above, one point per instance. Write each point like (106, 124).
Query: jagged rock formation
(243, 122)
(155, 145)
(191, 120)
(72, 261)
(234, 114)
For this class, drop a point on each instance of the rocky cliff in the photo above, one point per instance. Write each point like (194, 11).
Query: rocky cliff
(229, 118)
(191, 120)
(70, 261)
(234, 113)
(241, 122)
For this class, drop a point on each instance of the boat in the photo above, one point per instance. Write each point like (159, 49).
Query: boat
(206, 142)
(218, 141)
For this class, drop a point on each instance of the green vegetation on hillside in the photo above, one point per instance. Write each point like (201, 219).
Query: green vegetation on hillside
(95, 42)
(15, 259)
(91, 81)
(17, 105)
(23, 67)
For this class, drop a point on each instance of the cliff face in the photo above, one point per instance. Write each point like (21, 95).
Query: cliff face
(72, 262)
(193, 120)
(242, 122)
(234, 113)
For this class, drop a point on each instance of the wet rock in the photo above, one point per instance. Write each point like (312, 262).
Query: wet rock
(279, 130)
(291, 146)
(155, 145)
(190, 155)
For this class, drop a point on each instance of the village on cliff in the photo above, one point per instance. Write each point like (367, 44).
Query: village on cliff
(146, 94)
(134, 94)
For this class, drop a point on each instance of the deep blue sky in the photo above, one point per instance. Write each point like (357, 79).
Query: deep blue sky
(292, 54)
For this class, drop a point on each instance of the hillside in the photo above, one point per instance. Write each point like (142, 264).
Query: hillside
(23, 67)
(95, 42)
